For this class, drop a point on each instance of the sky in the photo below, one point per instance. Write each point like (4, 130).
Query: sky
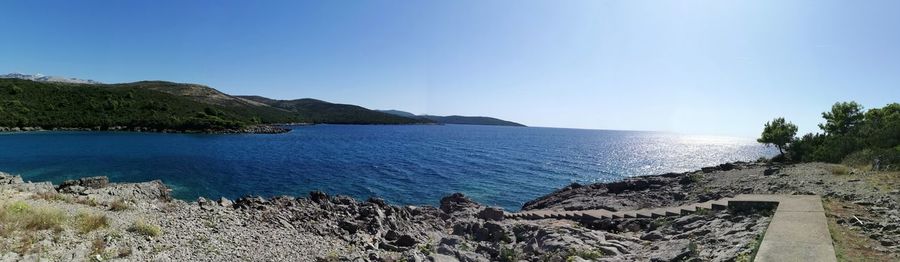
(694, 67)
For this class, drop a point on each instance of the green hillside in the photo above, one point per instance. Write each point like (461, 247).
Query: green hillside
(321, 112)
(470, 120)
(52, 105)
(456, 120)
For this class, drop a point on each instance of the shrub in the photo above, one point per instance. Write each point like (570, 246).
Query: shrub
(42, 218)
(52, 197)
(118, 205)
(838, 169)
(88, 222)
(143, 228)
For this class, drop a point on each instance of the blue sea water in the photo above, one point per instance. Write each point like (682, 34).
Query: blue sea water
(418, 164)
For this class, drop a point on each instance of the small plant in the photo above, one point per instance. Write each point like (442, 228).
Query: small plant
(585, 254)
(25, 244)
(89, 222)
(124, 251)
(509, 254)
(98, 247)
(18, 207)
(839, 169)
(42, 218)
(87, 201)
(693, 248)
(695, 178)
(118, 205)
(143, 228)
(52, 197)
(427, 248)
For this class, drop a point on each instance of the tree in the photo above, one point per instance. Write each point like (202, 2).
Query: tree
(843, 118)
(778, 133)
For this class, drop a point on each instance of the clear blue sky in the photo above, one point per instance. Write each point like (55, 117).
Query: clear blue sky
(699, 67)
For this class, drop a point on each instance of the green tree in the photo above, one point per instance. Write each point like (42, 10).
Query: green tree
(779, 133)
(843, 118)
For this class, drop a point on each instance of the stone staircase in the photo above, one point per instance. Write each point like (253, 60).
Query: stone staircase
(720, 204)
(798, 231)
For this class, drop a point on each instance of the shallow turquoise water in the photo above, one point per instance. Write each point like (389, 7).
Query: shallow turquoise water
(502, 166)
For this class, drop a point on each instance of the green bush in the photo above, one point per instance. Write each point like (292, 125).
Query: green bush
(851, 136)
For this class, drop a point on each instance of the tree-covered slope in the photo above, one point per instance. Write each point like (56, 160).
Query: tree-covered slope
(317, 111)
(458, 120)
(470, 120)
(55, 105)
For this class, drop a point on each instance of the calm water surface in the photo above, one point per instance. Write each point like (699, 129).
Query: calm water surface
(502, 166)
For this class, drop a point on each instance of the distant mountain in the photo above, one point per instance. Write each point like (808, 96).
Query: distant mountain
(59, 102)
(53, 79)
(317, 111)
(28, 103)
(399, 113)
(458, 120)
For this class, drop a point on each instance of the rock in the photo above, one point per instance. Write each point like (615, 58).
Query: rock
(469, 256)
(726, 167)
(682, 221)
(651, 236)
(491, 213)
(456, 202)
(80, 185)
(225, 202)
(442, 258)
(887, 242)
(318, 196)
(343, 200)
(406, 241)
(7, 179)
(677, 250)
(490, 231)
(863, 203)
(205, 203)
(770, 171)
(391, 235)
(350, 227)
(72, 189)
(377, 201)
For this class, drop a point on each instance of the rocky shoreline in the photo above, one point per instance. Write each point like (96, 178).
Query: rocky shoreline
(320, 227)
(255, 129)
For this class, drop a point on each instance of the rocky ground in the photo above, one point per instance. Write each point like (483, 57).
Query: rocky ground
(863, 203)
(96, 220)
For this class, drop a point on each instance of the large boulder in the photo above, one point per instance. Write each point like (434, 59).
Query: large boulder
(78, 186)
(491, 213)
(457, 202)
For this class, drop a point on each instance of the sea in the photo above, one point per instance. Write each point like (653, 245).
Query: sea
(403, 164)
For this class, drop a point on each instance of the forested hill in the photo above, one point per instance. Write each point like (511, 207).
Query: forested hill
(458, 120)
(26, 103)
(160, 105)
(316, 111)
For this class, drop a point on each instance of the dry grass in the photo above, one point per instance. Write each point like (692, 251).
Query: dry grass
(885, 180)
(839, 169)
(144, 228)
(850, 245)
(22, 216)
(52, 197)
(87, 222)
(118, 205)
(86, 201)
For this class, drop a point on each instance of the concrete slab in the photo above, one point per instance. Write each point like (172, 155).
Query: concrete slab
(798, 227)
(787, 251)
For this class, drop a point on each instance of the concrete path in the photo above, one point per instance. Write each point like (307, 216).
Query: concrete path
(798, 231)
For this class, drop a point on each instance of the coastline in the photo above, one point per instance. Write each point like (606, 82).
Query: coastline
(255, 129)
(320, 227)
